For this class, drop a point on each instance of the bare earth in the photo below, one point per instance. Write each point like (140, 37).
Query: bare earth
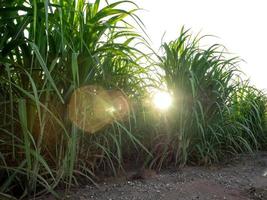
(240, 178)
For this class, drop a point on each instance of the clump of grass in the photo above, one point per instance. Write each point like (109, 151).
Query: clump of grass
(248, 113)
(213, 113)
(48, 49)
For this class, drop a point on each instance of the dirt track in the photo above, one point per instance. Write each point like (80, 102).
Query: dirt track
(241, 178)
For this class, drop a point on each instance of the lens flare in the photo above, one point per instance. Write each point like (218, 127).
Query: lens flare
(91, 107)
(162, 100)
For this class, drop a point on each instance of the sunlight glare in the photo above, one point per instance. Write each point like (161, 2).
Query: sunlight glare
(162, 100)
(110, 110)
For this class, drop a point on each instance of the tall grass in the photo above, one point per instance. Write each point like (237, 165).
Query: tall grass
(213, 112)
(50, 48)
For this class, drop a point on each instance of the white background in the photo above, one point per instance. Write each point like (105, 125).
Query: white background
(240, 25)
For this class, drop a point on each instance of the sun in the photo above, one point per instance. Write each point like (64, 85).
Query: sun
(162, 100)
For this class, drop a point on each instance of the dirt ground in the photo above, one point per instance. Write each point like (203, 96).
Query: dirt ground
(240, 178)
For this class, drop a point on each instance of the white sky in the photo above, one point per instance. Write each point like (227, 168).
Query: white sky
(240, 25)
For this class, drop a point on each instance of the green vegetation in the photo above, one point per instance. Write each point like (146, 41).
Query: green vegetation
(214, 112)
(50, 48)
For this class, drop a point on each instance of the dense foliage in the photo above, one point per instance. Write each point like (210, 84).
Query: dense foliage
(49, 48)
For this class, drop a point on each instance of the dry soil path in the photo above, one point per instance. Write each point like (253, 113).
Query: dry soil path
(241, 178)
